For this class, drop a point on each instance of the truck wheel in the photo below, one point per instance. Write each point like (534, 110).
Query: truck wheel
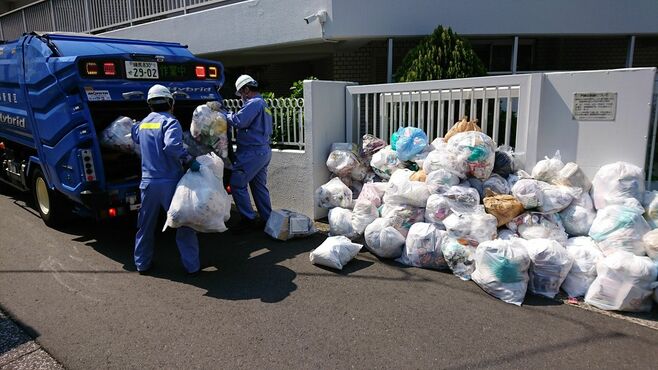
(49, 203)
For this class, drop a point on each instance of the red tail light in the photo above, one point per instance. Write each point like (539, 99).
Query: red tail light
(91, 68)
(200, 72)
(212, 72)
(109, 69)
(112, 212)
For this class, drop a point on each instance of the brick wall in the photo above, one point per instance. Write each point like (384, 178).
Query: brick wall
(367, 64)
(579, 53)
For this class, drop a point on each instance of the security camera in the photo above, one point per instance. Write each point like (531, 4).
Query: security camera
(321, 16)
(310, 18)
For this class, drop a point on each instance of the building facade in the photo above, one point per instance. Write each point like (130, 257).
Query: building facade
(281, 41)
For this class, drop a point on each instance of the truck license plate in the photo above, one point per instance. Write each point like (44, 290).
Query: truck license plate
(142, 70)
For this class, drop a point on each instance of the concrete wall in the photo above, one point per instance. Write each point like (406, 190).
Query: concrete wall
(484, 17)
(288, 179)
(293, 175)
(592, 144)
(257, 23)
(324, 111)
(242, 25)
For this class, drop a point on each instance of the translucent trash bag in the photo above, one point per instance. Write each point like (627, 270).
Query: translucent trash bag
(335, 252)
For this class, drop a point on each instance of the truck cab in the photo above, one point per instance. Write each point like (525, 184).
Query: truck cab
(58, 92)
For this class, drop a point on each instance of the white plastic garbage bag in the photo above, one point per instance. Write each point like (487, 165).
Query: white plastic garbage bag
(528, 192)
(384, 240)
(615, 182)
(401, 190)
(373, 192)
(460, 258)
(437, 209)
(556, 198)
(419, 159)
(370, 145)
(471, 228)
(335, 252)
(550, 265)
(572, 176)
(548, 169)
(476, 184)
(495, 184)
(441, 158)
(650, 204)
(402, 216)
(578, 217)
(333, 194)
(200, 200)
(585, 254)
(624, 282)
(478, 149)
(507, 234)
(533, 225)
(285, 224)
(117, 136)
(650, 240)
(462, 199)
(439, 179)
(360, 171)
(340, 223)
(501, 269)
(364, 213)
(423, 247)
(385, 162)
(342, 162)
(209, 127)
(620, 227)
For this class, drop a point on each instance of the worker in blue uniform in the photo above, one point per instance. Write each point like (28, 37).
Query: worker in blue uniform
(160, 139)
(253, 123)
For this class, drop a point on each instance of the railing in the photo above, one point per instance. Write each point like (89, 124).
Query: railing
(287, 121)
(502, 105)
(94, 16)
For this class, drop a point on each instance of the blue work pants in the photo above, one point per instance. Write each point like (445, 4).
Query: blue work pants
(155, 196)
(250, 168)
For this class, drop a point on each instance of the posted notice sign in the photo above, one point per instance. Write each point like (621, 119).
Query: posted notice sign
(594, 106)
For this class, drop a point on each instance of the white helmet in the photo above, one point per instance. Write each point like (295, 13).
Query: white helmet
(159, 92)
(243, 81)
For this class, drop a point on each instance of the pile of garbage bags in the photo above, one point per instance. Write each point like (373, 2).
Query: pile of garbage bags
(461, 203)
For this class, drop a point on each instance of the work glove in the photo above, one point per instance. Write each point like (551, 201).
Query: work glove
(195, 166)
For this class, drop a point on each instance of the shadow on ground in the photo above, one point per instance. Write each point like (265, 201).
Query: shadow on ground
(233, 267)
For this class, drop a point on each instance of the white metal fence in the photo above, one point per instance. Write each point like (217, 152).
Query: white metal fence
(502, 105)
(94, 16)
(287, 120)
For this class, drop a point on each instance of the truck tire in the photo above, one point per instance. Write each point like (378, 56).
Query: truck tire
(51, 205)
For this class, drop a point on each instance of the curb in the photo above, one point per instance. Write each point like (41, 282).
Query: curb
(19, 351)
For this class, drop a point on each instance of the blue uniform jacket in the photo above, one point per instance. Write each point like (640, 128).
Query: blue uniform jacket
(254, 124)
(160, 139)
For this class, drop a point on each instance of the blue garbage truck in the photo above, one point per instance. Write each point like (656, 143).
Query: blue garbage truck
(58, 92)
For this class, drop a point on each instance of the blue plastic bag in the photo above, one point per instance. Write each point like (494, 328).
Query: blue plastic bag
(411, 141)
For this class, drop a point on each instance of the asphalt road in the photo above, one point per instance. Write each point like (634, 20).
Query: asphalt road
(261, 304)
